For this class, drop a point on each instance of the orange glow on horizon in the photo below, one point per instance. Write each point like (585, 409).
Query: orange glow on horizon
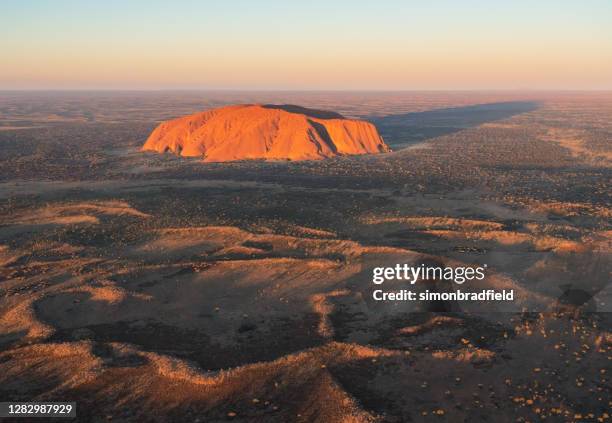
(350, 50)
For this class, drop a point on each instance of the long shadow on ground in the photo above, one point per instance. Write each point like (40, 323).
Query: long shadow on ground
(405, 129)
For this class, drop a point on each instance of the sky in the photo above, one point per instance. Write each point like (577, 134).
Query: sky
(306, 45)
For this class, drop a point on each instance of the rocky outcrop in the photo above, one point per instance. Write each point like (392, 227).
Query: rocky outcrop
(275, 132)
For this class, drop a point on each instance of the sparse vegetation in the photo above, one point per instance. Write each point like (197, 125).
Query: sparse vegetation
(149, 285)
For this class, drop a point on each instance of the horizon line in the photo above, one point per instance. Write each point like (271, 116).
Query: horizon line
(364, 90)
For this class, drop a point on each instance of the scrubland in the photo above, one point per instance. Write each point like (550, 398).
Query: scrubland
(149, 287)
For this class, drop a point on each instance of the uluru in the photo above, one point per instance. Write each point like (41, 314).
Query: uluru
(273, 132)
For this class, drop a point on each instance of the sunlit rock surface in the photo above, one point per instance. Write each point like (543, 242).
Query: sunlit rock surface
(277, 132)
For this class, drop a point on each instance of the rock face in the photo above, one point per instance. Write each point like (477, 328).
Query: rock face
(274, 132)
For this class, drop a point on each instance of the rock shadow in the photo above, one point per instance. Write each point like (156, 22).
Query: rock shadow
(402, 130)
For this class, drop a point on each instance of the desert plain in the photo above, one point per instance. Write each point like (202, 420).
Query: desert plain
(152, 287)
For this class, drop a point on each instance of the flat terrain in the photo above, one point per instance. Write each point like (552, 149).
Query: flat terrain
(149, 287)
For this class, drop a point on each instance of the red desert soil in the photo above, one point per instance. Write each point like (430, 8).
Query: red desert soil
(265, 132)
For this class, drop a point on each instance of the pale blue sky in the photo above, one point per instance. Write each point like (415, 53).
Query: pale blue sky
(306, 45)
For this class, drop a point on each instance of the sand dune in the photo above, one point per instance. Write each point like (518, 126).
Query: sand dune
(71, 213)
(154, 288)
